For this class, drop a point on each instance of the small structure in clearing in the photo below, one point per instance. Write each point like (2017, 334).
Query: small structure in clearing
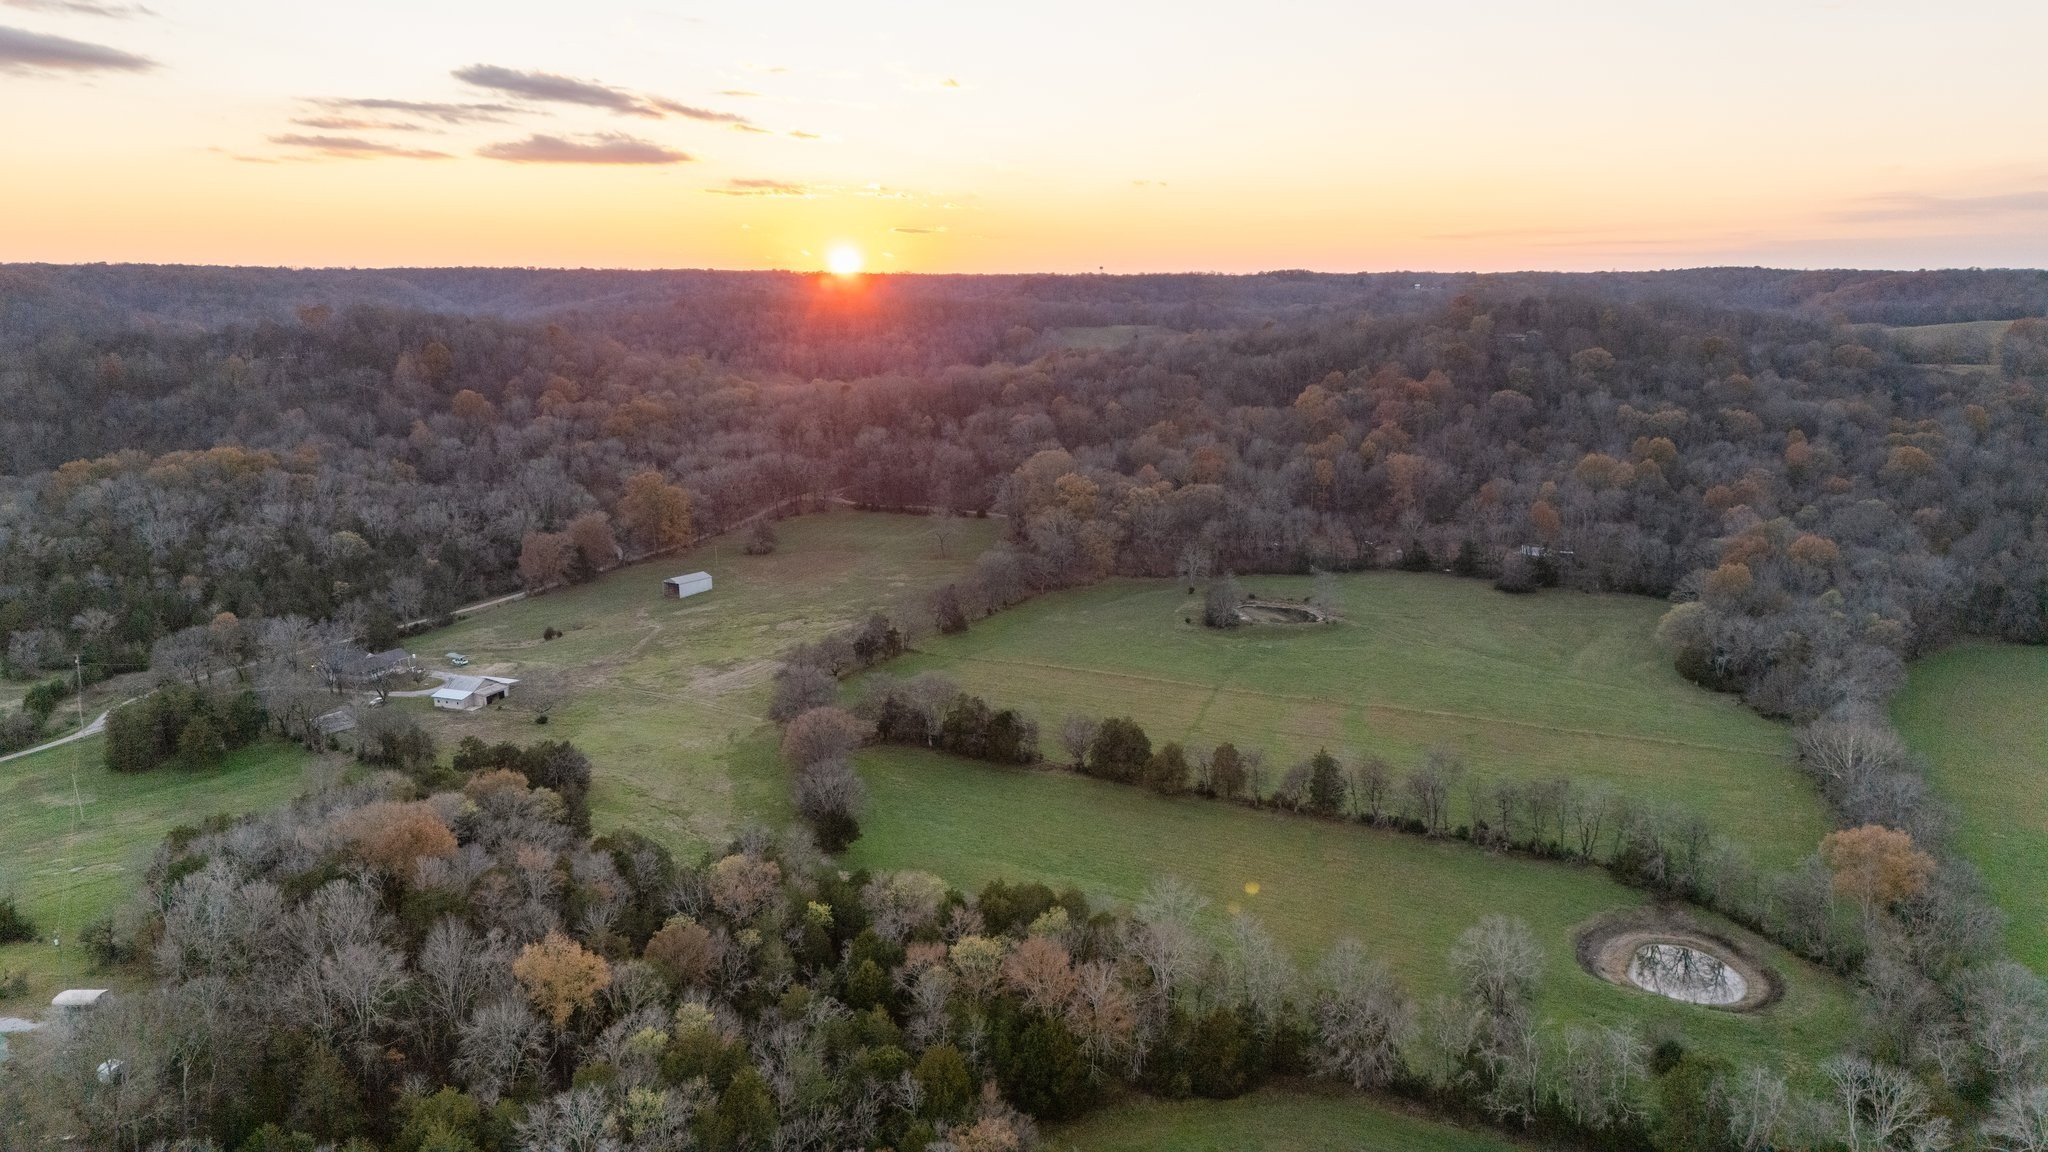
(78, 999)
(678, 587)
(469, 693)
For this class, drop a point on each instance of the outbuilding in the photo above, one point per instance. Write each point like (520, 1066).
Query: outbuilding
(677, 587)
(469, 693)
(78, 999)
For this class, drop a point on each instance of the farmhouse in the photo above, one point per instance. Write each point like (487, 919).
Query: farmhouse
(469, 693)
(355, 668)
(677, 587)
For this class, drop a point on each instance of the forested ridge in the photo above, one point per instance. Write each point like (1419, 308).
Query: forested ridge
(1795, 474)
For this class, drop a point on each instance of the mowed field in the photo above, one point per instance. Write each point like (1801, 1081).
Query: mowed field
(1270, 1121)
(1310, 882)
(1556, 684)
(1979, 714)
(669, 697)
(71, 855)
(1962, 343)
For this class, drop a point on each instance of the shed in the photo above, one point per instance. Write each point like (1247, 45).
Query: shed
(677, 587)
(469, 693)
(335, 723)
(76, 999)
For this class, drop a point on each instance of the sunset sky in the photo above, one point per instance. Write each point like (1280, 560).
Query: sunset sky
(1051, 136)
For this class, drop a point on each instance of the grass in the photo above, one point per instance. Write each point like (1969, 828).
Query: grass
(1558, 684)
(1965, 342)
(1979, 713)
(1310, 882)
(74, 855)
(669, 697)
(1266, 1122)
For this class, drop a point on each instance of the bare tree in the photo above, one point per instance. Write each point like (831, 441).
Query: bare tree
(2006, 1008)
(1372, 782)
(798, 689)
(822, 734)
(1363, 1020)
(1881, 1107)
(1077, 732)
(2018, 1120)
(1756, 1101)
(1427, 790)
(1498, 963)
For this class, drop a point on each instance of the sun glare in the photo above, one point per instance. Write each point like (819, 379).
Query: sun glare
(844, 260)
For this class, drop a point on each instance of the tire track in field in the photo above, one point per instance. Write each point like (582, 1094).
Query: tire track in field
(1439, 713)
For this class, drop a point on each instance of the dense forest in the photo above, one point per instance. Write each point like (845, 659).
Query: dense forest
(1833, 506)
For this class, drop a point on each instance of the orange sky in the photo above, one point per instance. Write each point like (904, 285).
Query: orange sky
(1053, 136)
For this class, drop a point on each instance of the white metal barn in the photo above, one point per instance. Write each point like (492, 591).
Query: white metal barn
(677, 587)
(469, 693)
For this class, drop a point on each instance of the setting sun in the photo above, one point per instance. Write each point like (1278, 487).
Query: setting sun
(844, 260)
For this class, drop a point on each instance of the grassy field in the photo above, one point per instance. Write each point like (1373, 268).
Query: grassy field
(73, 855)
(1558, 684)
(669, 697)
(1266, 1122)
(1966, 342)
(1979, 713)
(1310, 882)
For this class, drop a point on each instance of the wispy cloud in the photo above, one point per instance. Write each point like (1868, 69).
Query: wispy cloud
(1937, 208)
(551, 88)
(918, 231)
(355, 124)
(803, 135)
(24, 51)
(425, 109)
(602, 149)
(737, 92)
(691, 112)
(759, 187)
(354, 148)
(80, 8)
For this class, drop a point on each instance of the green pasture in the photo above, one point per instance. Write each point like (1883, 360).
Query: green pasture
(1556, 684)
(75, 850)
(669, 697)
(1979, 714)
(1311, 882)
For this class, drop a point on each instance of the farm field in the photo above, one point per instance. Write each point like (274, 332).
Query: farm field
(1557, 684)
(1310, 882)
(1270, 1121)
(1964, 342)
(1979, 714)
(71, 857)
(669, 697)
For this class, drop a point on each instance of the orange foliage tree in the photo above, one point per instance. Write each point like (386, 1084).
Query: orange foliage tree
(1877, 865)
(392, 836)
(560, 976)
(655, 513)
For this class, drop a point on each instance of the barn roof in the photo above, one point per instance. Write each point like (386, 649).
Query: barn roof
(688, 578)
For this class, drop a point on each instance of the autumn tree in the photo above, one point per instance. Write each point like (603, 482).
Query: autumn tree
(595, 550)
(560, 976)
(1877, 865)
(655, 514)
(544, 559)
(392, 836)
